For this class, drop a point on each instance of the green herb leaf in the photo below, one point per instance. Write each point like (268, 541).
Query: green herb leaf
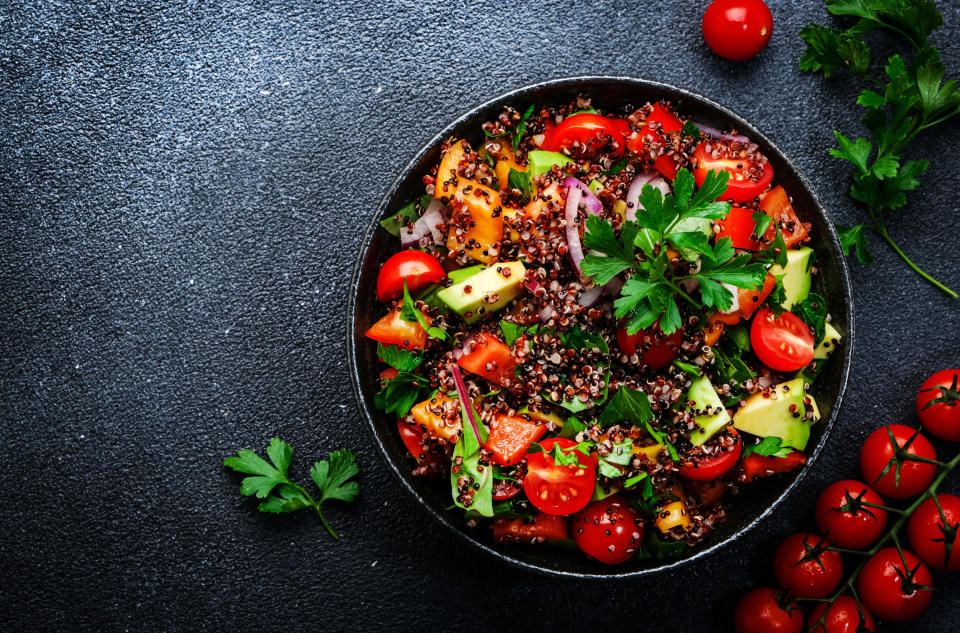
(521, 127)
(399, 358)
(520, 180)
(853, 237)
(410, 313)
(627, 405)
(767, 447)
(399, 394)
(690, 129)
(813, 311)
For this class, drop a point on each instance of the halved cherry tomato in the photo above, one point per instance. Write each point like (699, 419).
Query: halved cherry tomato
(412, 437)
(418, 268)
(782, 343)
(659, 124)
(776, 204)
(392, 330)
(750, 299)
(662, 348)
(510, 438)
(559, 489)
(504, 489)
(543, 527)
(593, 131)
(739, 226)
(489, 358)
(756, 466)
(609, 530)
(749, 175)
(714, 466)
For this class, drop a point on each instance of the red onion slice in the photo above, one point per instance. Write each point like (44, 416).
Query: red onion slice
(636, 187)
(735, 306)
(613, 286)
(590, 200)
(574, 195)
(547, 313)
(588, 298)
(465, 401)
(721, 136)
(459, 352)
(425, 225)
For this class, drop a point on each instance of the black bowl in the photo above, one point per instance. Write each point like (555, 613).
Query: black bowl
(745, 511)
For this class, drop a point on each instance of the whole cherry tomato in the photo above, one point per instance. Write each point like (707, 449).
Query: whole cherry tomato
(559, 488)
(803, 566)
(911, 478)
(938, 404)
(608, 530)
(716, 465)
(843, 617)
(929, 533)
(893, 590)
(737, 29)
(845, 517)
(418, 268)
(767, 610)
(782, 343)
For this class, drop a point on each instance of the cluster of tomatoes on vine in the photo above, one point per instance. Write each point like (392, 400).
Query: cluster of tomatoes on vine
(890, 581)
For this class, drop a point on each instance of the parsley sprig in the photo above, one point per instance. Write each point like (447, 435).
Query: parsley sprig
(909, 99)
(650, 293)
(270, 481)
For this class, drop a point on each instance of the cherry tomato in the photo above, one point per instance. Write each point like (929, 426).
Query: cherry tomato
(716, 465)
(737, 29)
(559, 489)
(942, 418)
(504, 489)
(843, 617)
(929, 533)
(750, 299)
(512, 435)
(660, 348)
(592, 131)
(844, 519)
(662, 118)
(749, 176)
(418, 268)
(659, 124)
(609, 530)
(542, 527)
(877, 452)
(760, 612)
(782, 343)
(803, 566)
(892, 590)
(393, 330)
(776, 203)
(756, 466)
(412, 437)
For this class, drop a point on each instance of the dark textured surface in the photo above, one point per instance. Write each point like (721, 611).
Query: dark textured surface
(182, 193)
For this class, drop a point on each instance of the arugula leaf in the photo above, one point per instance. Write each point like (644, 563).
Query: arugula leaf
(520, 180)
(572, 427)
(271, 482)
(521, 128)
(767, 447)
(399, 358)
(403, 217)
(478, 483)
(633, 481)
(563, 456)
(813, 311)
(763, 222)
(409, 313)
(620, 455)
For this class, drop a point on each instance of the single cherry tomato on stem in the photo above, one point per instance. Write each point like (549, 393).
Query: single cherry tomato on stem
(767, 610)
(592, 131)
(938, 404)
(930, 532)
(893, 590)
(782, 343)
(804, 566)
(843, 617)
(419, 269)
(846, 517)
(660, 348)
(715, 465)
(608, 530)
(749, 176)
(737, 29)
(878, 457)
(559, 488)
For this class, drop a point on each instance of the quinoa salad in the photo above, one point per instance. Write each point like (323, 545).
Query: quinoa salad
(599, 326)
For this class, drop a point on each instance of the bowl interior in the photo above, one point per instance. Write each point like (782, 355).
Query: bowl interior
(609, 93)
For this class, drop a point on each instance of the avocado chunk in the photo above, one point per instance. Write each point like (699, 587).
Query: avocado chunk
(831, 339)
(796, 276)
(540, 162)
(485, 292)
(709, 412)
(782, 414)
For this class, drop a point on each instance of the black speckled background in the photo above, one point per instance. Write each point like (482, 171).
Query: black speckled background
(182, 191)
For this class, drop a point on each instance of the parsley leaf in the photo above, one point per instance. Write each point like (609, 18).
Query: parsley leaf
(763, 223)
(627, 405)
(813, 311)
(271, 482)
(853, 238)
(399, 394)
(399, 358)
(521, 128)
(511, 331)
(520, 180)
(767, 447)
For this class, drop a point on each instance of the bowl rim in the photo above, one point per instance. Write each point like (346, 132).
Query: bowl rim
(504, 555)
